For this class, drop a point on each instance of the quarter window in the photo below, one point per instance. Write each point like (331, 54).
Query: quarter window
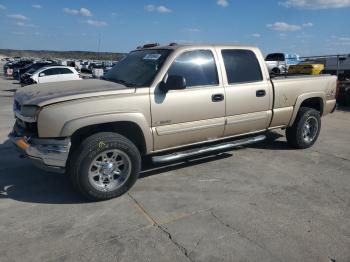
(197, 67)
(241, 66)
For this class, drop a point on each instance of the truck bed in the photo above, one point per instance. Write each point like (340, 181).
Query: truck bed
(291, 90)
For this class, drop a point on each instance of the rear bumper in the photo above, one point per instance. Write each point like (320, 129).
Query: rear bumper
(47, 154)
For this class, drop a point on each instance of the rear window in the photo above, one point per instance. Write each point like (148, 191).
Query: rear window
(241, 66)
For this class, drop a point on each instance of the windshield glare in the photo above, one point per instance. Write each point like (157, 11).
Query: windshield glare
(138, 68)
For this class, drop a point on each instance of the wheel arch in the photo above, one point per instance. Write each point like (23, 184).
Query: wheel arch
(132, 125)
(315, 100)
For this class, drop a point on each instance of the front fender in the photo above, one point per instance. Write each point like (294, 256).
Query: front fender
(137, 118)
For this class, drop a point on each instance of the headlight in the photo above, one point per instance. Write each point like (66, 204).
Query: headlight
(30, 111)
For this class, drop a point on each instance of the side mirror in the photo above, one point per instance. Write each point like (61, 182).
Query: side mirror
(41, 74)
(173, 82)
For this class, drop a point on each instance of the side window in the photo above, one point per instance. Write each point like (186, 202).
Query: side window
(241, 66)
(65, 71)
(45, 72)
(51, 71)
(197, 67)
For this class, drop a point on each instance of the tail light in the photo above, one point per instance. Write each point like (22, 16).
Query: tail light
(337, 90)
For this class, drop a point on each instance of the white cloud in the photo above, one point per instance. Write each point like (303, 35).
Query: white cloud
(282, 35)
(2, 7)
(18, 17)
(309, 24)
(85, 12)
(283, 26)
(163, 9)
(339, 40)
(37, 6)
(82, 11)
(96, 23)
(223, 3)
(193, 30)
(256, 35)
(150, 8)
(21, 24)
(71, 11)
(160, 9)
(316, 4)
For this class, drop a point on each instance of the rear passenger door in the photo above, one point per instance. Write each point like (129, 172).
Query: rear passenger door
(194, 114)
(248, 92)
(66, 74)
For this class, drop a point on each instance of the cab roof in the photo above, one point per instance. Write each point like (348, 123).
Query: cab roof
(174, 46)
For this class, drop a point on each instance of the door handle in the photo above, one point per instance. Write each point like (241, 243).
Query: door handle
(217, 97)
(260, 93)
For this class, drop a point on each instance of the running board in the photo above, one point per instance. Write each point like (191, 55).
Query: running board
(203, 150)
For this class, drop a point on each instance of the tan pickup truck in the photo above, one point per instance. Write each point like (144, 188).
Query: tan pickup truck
(166, 102)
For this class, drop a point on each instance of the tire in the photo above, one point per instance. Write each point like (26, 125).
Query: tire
(276, 71)
(105, 166)
(299, 135)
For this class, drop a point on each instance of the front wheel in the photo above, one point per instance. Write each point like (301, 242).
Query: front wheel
(305, 130)
(105, 166)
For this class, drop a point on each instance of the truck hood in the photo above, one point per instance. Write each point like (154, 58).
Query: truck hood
(45, 94)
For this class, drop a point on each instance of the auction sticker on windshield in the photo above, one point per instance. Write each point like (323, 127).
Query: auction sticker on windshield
(152, 56)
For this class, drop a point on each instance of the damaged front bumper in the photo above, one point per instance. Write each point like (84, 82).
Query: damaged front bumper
(48, 154)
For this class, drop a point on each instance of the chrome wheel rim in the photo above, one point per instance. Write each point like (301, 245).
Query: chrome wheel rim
(109, 170)
(310, 129)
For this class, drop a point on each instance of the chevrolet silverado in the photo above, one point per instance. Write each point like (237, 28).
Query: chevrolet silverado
(167, 103)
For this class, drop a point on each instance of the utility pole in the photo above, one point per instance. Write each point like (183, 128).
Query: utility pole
(99, 44)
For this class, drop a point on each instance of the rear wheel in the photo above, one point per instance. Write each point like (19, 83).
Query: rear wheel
(106, 165)
(305, 130)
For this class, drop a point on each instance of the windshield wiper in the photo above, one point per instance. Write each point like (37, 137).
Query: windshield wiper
(125, 83)
(119, 81)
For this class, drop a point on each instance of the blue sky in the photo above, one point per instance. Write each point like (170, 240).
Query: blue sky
(307, 27)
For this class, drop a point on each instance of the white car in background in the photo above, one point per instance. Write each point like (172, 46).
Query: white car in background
(55, 74)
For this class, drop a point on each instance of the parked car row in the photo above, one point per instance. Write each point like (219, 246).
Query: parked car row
(89, 66)
(28, 71)
(12, 66)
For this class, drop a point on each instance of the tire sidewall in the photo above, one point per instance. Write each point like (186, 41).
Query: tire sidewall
(303, 118)
(88, 154)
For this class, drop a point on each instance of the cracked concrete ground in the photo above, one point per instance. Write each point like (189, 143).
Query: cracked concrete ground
(261, 203)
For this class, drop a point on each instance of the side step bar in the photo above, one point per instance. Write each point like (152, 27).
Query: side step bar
(203, 150)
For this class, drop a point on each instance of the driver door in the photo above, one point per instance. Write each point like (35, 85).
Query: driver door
(49, 75)
(194, 114)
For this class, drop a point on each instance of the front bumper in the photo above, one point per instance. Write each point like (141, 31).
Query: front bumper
(48, 154)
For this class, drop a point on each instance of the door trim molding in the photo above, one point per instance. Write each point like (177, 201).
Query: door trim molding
(189, 126)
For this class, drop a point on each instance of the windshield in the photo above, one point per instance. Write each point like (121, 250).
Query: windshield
(31, 71)
(138, 68)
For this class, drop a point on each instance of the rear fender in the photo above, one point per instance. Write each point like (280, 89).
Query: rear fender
(302, 98)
